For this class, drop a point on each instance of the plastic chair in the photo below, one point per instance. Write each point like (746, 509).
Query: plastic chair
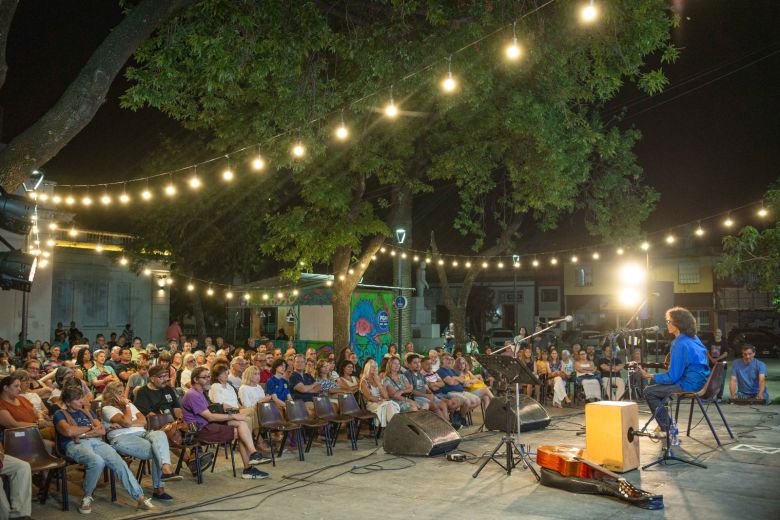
(708, 394)
(297, 413)
(323, 409)
(27, 444)
(271, 420)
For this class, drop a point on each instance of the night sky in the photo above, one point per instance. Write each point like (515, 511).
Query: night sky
(705, 147)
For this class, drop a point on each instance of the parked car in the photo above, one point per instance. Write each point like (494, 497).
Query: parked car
(496, 337)
(767, 343)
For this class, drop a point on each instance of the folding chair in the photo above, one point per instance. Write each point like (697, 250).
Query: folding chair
(271, 420)
(707, 395)
(323, 409)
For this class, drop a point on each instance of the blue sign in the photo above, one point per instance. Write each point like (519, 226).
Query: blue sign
(382, 322)
(400, 302)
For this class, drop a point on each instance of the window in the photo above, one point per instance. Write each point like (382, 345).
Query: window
(583, 276)
(549, 295)
(702, 320)
(511, 297)
(688, 272)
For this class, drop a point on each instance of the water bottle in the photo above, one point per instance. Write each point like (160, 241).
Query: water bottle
(674, 438)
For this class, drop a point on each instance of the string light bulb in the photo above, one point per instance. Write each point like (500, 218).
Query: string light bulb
(73, 232)
(554, 261)
(589, 13)
(146, 194)
(484, 265)
(342, 133)
(391, 110)
(87, 200)
(190, 287)
(670, 239)
(227, 174)
(728, 222)
(295, 292)
(258, 163)
(596, 255)
(516, 265)
(500, 265)
(123, 261)
(454, 263)
(513, 50)
(51, 242)
(763, 212)
(195, 182)
(468, 265)
(449, 84)
(247, 296)
(210, 291)
(699, 231)
(56, 199)
(535, 263)
(124, 198)
(298, 150)
(105, 199)
(170, 190)
(441, 262)
(620, 251)
(99, 248)
(574, 259)
(416, 258)
(229, 295)
(43, 197)
(147, 271)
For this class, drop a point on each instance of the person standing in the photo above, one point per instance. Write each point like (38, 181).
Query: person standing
(688, 365)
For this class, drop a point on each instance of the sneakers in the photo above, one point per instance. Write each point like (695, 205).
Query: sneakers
(165, 497)
(170, 477)
(86, 505)
(258, 458)
(205, 461)
(254, 473)
(144, 504)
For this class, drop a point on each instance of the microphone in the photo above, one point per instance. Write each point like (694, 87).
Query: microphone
(567, 319)
(652, 329)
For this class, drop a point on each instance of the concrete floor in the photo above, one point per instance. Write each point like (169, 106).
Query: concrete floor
(739, 482)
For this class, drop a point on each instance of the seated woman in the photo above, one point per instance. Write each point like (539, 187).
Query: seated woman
(558, 377)
(347, 381)
(322, 377)
(586, 376)
(127, 434)
(100, 375)
(6, 368)
(84, 362)
(27, 393)
(525, 357)
(473, 383)
(398, 388)
(222, 392)
(16, 411)
(62, 376)
(79, 438)
(374, 393)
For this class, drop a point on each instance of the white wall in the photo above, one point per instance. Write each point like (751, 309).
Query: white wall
(316, 322)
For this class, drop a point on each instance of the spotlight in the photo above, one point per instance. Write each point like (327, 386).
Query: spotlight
(629, 297)
(17, 270)
(14, 212)
(632, 274)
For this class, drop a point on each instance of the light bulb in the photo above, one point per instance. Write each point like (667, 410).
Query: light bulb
(728, 222)
(247, 296)
(403, 255)
(484, 265)
(210, 291)
(500, 265)
(699, 231)
(416, 258)
(87, 201)
(147, 271)
(229, 295)
(123, 261)
(265, 295)
(170, 190)
(596, 256)
(467, 265)
(441, 262)
(124, 198)
(382, 249)
(146, 195)
(195, 182)
(295, 292)
(50, 242)
(258, 163)
(554, 261)
(33, 195)
(513, 50)
(35, 230)
(99, 248)
(620, 251)
(341, 132)
(427, 260)
(645, 246)
(574, 259)
(43, 197)
(105, 200)
(589, 13)
(227, 175)
(73, 232)
(535, 263)
(190, 287)
(280, 295)
(762, 212)
(56, 199)
(392, 252)
(69, 200)
(670, 239)
(454, 263)
(449, 84)
(169, 280)
(46, 254)
(516, 265)
(43, 263)
(299, 150)
(391, 110)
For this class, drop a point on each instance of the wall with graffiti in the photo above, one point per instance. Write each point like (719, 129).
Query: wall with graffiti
(371, 323)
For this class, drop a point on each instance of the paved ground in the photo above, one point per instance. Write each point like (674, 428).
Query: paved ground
(741, 480)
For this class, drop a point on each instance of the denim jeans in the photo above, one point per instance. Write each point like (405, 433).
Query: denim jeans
(655, 394)
(94, 455)
(150, 445)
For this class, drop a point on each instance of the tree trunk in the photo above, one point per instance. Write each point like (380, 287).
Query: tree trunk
(84, 96)
(342, 298)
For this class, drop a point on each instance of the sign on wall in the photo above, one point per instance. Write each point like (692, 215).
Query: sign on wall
(372, 320)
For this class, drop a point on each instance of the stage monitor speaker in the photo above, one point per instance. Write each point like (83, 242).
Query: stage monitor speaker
(532, 415)
(423, 434)
(607, 425)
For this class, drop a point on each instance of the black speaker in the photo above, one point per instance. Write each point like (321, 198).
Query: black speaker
(421, 433)
(532, 415)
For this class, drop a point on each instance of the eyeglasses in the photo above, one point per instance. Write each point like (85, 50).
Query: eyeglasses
(668, 321)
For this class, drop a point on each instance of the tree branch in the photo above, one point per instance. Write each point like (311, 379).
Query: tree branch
(7, 10)
(84, 96)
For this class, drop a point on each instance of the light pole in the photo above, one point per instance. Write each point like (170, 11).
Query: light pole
(400, 237)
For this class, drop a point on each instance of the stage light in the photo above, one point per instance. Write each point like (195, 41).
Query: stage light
(589, 13)
(629, 297)
(14, 211)
(632, 275)
(265, 295)
(17, 270)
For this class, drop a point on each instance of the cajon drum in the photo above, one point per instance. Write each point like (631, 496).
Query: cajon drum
(607, 425)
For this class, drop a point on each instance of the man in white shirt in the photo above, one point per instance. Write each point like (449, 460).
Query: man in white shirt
(237, 367)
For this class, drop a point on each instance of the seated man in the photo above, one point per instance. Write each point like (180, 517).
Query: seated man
(611, 381)
(302, 384)
(453, 387)
(688, 365)
(20, 479)
(157, 397)
(421, 393)
(748, 376)
(217, 428)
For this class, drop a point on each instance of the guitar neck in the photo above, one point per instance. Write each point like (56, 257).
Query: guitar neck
(602, 469)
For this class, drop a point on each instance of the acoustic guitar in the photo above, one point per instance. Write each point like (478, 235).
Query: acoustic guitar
(565, 468)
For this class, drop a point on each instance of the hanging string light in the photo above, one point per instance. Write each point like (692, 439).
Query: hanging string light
(449, 84)
(699, 230)
(227, 173)
(170, 189)
(728, 222)
(391, 110)
(589, 13)
(258, 163)
(342, 133)
(124, 198)
(513, 50)
(670, 239)
(105, 199)
(195, 182)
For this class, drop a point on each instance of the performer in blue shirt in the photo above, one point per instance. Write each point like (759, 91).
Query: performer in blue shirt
(688, 365)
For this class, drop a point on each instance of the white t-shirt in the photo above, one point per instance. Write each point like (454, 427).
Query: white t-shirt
(186, 377)
(250, 395)
(225, 395)
(110, 411)
(35, 400)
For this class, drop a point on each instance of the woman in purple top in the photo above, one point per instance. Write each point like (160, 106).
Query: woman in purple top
(217, 428)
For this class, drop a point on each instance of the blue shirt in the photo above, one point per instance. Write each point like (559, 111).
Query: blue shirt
(80, 418)
(747, 376)
(278, 386)
(448, 372)
(688, 367)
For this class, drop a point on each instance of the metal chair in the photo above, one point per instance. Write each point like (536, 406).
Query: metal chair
(27, 444)
(708, 394)
(271, 420)
(350, 407)
(297, 413)
(323, 409)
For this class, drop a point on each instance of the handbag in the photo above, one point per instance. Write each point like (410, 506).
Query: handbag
(178, 433)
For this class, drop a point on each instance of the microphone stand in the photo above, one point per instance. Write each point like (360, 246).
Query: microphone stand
(537, 333)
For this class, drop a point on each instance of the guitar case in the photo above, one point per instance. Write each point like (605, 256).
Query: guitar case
(599, 487)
